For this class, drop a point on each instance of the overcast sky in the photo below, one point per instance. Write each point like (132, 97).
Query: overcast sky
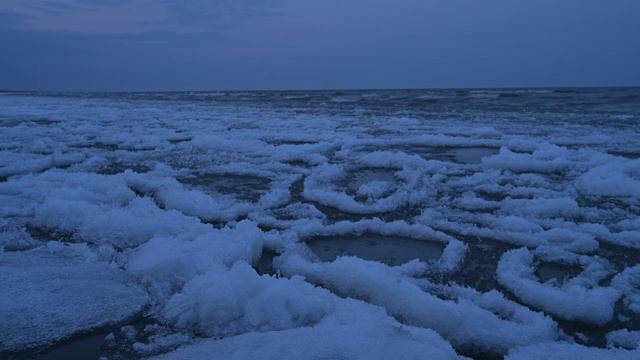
(110, 45)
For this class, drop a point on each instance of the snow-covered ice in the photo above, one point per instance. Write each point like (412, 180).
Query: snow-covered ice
(358, 225)
(58, 290)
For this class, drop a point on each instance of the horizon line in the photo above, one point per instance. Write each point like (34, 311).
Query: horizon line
(327, 89)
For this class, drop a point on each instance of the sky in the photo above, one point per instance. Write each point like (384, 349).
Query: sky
(194, 45)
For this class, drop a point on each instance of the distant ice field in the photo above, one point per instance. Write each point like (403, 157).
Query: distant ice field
(409, 224)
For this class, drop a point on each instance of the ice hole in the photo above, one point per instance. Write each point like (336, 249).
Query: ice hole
(118, 167)
(461, 155)
(472, 155)
(243, 187)
(391, 250)
(560, 272)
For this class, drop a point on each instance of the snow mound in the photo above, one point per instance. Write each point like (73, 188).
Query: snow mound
(464, 323)
(355, 331)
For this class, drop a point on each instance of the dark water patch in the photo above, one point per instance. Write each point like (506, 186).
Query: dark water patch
(89, 347)
(84, 345)
(421, 101)
(628, 155)
(491, 195)
(216, 224)
(459, 155)
(243, 126)
(278, 142)
(472, 155)
(334, 215)
(620, 208)
(130, 342)
(179, 140)
(96, 145)
(619, 256)
(565, 91)
(45, 235)
(42, 122)
(133, 149)
(477, 354)
(264, 265)
(244, 187)
(299, 163)
(558, 272)
(478, 270)
(509, 95)
(118, 167)
(38, 233)
(380, 133)
(296, 189)
(596, 335)
(405, 213)
(391, 250)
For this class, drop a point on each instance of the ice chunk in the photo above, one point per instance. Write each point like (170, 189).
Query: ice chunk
(549, 160)
(124, 227)
(35, 164)
(619, 178)
(624, 338)
(51, 293)
(167, 263)
(222, 303)
(628, 282)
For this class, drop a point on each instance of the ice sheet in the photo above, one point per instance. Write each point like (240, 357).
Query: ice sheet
(230, 214)
(56, 291)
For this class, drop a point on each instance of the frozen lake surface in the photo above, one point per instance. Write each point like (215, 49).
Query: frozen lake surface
(405, 224)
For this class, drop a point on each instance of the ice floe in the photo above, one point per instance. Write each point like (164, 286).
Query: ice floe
(54, 292)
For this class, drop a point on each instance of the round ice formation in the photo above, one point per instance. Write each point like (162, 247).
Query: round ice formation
(393, 243)
(577, 298)
(379, 182)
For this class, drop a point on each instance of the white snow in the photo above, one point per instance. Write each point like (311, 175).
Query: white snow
(628, 282)
(353, 332)
(462, 322)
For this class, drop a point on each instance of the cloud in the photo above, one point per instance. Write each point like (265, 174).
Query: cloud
(203, 11)
(11, 19)
(133, 16)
